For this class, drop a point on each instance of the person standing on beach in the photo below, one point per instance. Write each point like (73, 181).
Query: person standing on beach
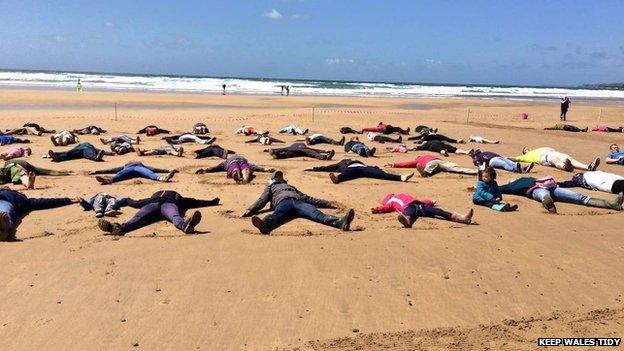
(287, 90)
(223, 86)
(565, 105)
(79, 85)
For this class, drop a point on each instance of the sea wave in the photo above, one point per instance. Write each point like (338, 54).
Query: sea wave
(107, 81)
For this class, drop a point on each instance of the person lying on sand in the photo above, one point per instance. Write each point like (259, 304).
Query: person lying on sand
(488, 194)
(189, 138)
(104, 205)
(289, 203)
(93, 130)
(440, 147)
(9, 139)
(80, 151)
(15, 152)
(349, 130)
(357, 147)
(38, 170)
(322, 139)
(294, 130)
(23, 131)
(64, 138)
(422, 128)
(248, 130)
(264, 139)
(200, 129)
(213, 151)
(16, 174)
(430, 136)
(386, 129)
(547, 156)
(378, 137)
(410, 208)
(567, 128)
(36, 129)
(596, 180)
(481, 140)
(152, 130)
(350, 169)
(300, 150)
(236, 167)
(165, 149)
(606, 129)
(428, 165)
(133, 170)
(494, 160)
(15, 205)
(547, 192)
(165, 204)
(615, 155)
(121, 139)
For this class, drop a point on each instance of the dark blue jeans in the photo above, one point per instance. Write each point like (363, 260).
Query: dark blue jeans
(351, 173)
(84, 150)
(415, 210)
(289, 209)
(361, 150)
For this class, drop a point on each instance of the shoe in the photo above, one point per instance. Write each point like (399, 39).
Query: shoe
(567, 165)
(166, 178)
(518, 167)
(272, 153)
(333, 178)
(400, 139)
(191, 223)
(330, 154)
(406, 221)
(53, 139)
(103, 141)
(5, 227)
(595, 163)
(138, 139)
(99, 156)
(110, 228)
(408, 130)
(444, 152)
(372, 152)
(342, 140)
(528, 168)
(111, 213)
(104, 180)
(549, 204)
(99, 215)
(345, 222)
(139, 152)
(180, 152)
(53, 156)
(211, 140)
(406, 177)
(259, 223)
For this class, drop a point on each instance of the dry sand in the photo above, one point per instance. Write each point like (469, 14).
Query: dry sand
(499, 284)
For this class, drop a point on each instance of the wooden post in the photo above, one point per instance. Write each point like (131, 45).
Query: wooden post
(115, 111)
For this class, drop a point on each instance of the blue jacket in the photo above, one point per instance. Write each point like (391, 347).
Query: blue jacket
(486, 192)
(23, 204)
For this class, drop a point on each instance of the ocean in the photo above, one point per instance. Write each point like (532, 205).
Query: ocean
(268, 86)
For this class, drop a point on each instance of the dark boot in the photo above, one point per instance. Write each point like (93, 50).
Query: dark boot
(259, 223)
(190, 223)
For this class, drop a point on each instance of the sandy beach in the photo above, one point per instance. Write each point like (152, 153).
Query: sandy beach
(497, 284)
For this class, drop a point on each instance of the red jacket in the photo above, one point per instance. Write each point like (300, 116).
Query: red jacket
(398, 202)
(420, 161)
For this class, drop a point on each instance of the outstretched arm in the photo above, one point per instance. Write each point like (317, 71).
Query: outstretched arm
(218, 168)
(36, 204)
(259, 204)
(329, 168)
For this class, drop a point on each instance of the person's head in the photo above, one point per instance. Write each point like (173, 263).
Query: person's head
(473, 152)
(27, 151)
(525, 149)
(277, 177)
(487, 174)
(614, 148)
(355, 139)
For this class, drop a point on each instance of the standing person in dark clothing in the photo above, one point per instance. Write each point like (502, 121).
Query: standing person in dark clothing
(164, 204)
(353, 169)
(356, 146)
(213, 151)
(288, 203)
(300, 150)
(83, 150)
(236, 167)
(15, 205)
(223, 86)
(494, 160)
(440, 147)
(565, 105)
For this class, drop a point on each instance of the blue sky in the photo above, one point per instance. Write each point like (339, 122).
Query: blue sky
(499, 42)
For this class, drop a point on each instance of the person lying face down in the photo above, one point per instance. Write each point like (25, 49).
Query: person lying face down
(236, 167)
(133, 170)
(293, 129)
(410, 208)
(547, 156)
(15, 152)
(152, 130)
(81, 151)
(64, 138)
(165, 149)
(16, 174)
(494, 160)
(386, 129)
(300, 150)
(322, 139)
(428, 165)
(15, 205)
(200, 129)
(353, 169)
(165, 204)
(356, 146)
(91, 129)
(288, 203)
(9, 139)
(189, 138)
(104, 204)
(596, 180)
(546, 191)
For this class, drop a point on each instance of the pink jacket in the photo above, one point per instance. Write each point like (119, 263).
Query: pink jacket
(398, 202)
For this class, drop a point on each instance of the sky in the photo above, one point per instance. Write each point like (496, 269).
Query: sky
(482, 42)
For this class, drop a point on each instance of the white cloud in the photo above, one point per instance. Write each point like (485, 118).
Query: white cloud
(109, 24)
(273, 15)
(299, 16)
(338, 61)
